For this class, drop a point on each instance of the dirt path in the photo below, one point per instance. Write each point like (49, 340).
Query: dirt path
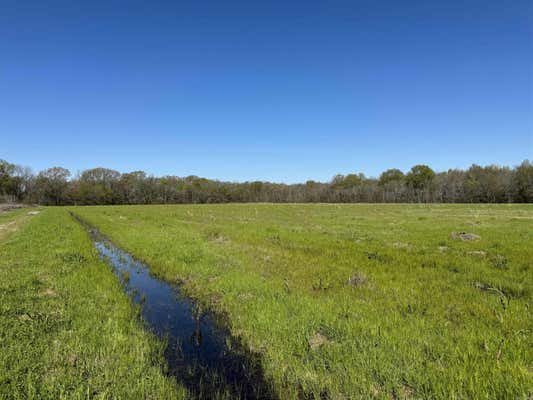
(12, 225)
(10, 206)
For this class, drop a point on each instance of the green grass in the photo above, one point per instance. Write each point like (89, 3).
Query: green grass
(354, 301)
(67, 330)
(7, 216)
(11, 220)
(340, 301)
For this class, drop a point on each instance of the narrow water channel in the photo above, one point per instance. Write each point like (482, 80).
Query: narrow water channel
(199, 351)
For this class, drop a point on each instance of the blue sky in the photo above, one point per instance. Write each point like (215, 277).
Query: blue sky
(274, 90)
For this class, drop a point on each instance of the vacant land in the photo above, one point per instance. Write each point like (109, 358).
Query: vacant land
(339, 301)
(12, 218)
(67, 330)
(350, 301)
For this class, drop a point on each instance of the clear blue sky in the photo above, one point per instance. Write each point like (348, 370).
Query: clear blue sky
(271, 90)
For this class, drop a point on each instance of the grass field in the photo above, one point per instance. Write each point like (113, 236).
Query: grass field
(67, 331)
(355, 301)
(339, 301)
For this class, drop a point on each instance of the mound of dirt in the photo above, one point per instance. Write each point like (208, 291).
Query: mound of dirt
(317, 340)
(400, 245)
(357, 280)
(465, 237)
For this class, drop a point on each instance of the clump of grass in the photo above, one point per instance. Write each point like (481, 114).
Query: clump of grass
(322, 284)
(125, 276)
(73, 257)
(374, 256)
(216, 236)
(499, 261)
(429, 264)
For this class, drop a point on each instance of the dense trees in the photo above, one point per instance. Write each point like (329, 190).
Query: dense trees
(14, 181)
(522, 183)
(477, 184)
(51, 186)
(390, 176)
(7, 179)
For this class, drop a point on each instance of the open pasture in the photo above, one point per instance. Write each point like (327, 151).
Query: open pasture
(354, 301)
(334, 301)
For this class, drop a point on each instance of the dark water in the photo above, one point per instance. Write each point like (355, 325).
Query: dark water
(200, 353)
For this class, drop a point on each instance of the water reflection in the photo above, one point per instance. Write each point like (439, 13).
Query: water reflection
(199, 352)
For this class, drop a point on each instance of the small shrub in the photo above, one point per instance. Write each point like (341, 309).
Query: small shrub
(377, 257)
(73, 258)
(321, 285)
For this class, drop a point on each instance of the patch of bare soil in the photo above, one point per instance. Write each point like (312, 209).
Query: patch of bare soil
(317, 340)
(10, 206)
(6, 225)
(465, 237)
(9, 227)
(357, 280)
(477, 253)
(49, 293)
(400, 245)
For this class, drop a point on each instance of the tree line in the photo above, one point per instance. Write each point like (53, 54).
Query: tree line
(102, 186)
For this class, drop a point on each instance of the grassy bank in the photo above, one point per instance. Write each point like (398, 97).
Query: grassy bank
(66, 328)
(355, 301)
